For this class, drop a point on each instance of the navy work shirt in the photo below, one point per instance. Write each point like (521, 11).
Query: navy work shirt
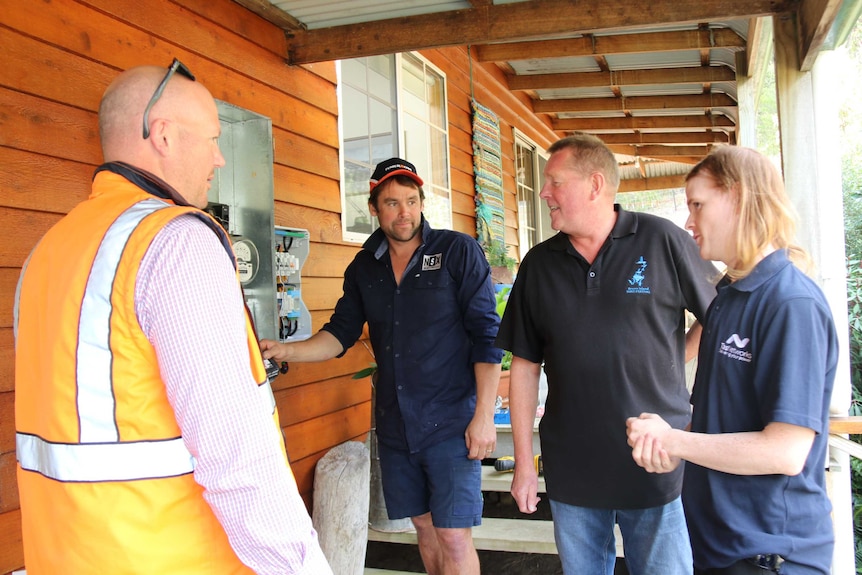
(769, 353)
(426, 333)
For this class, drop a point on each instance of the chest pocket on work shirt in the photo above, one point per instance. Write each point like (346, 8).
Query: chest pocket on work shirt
(434, 293)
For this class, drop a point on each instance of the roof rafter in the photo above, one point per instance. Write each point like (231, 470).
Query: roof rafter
(814, 19)
(621, 104)
(661, 151)
(700, 75)
(673, 123)
(659, 183)
(592, 45)
(652, 138)
(514, 21)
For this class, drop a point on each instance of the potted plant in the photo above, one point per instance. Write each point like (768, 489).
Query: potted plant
(502, 264)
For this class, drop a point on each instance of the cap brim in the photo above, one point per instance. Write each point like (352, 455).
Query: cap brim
(412, 175)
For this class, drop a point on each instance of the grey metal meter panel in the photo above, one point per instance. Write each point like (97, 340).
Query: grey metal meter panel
(246, 184)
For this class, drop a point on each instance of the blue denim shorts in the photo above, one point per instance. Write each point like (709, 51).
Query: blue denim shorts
(439, 479)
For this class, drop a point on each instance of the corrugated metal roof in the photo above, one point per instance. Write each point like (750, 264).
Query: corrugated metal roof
(674, 92)
(686, 69)
(317, 14)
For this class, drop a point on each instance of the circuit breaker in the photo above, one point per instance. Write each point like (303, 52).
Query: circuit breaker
(291, 246)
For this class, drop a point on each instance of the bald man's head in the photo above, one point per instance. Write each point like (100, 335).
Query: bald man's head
(122, 108)
(182, 147)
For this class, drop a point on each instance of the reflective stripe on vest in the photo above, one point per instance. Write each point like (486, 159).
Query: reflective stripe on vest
(96, 401)
(111, 461)
(100, 456)
(104, 461)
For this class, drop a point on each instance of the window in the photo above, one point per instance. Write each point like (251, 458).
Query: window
(534, 219)
(392, 105)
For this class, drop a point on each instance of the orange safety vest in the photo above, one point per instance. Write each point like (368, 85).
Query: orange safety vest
(105, 482)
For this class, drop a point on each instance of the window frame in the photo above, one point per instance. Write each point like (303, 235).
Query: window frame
(421, 163)
(541, 213)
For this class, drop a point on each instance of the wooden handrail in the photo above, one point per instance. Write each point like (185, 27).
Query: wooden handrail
(842, 425)
(843, 444)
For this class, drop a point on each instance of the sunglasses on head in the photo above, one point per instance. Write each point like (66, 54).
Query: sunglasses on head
(175, 67)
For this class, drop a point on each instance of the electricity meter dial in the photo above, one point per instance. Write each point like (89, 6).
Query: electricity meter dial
(247, 259)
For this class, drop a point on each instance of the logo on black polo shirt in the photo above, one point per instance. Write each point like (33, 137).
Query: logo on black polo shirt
(734, 348)
(636, 282)
(432, 262)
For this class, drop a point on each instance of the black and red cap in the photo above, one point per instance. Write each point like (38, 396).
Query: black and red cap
(393, 167)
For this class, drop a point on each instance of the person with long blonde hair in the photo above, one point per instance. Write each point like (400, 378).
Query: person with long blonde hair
(754, 486)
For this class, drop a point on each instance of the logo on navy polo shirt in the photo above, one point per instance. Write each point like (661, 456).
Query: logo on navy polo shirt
(636, 282)
(432, 262)
(734, 348)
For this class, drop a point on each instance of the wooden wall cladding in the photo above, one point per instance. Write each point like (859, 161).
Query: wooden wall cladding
(60, 57)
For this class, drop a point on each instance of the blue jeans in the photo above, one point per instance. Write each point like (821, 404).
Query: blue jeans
(656, 539)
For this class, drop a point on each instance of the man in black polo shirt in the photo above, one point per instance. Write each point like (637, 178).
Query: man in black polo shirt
(429, 303)
(602, 305)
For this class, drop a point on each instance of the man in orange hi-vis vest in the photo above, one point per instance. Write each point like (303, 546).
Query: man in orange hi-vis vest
(147, 436)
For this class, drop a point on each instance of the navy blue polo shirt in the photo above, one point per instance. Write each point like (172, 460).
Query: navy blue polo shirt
(612, 337)
(426, 333)
(768, 353)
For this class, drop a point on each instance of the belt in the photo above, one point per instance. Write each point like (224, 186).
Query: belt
(771, 562)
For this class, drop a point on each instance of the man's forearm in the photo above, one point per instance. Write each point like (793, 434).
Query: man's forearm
(523, 398)
(487, 382)
(319, 347)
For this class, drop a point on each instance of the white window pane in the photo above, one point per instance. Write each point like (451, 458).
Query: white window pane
(439, 145)
(383, 148)
(413, 84)
(356, 215)
(355, 114)
(417, 145)
(382, 121)
(358, 150)
(381, 77)
(384, 138)
(353, 72)
(436, 96)
(438, 207)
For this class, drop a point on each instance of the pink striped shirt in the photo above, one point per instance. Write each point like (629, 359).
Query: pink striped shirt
(189, 305)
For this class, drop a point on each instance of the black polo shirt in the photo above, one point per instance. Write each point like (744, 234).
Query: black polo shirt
(612, 338)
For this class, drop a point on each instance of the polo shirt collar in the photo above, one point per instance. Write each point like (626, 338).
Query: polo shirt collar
(626, 224)
(766, 269)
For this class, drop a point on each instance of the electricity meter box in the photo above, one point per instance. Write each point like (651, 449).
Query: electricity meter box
(291, 252)
(241, 199)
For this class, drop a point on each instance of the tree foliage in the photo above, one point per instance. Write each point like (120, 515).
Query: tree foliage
(850, 124)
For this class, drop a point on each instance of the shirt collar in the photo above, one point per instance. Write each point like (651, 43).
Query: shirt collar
(626, 224)
(765, 269)
(378, 244)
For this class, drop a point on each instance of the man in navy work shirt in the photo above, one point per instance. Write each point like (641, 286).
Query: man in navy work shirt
(429, 303)
(602, 304)
(755, 483)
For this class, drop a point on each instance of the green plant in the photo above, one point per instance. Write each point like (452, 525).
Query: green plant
(498, 255)
(502, 297)
(854, 305)
(363, 373)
